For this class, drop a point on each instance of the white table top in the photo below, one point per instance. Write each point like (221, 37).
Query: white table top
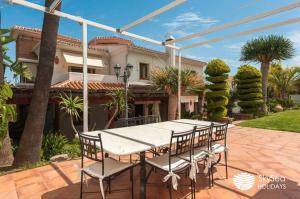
(135, 139)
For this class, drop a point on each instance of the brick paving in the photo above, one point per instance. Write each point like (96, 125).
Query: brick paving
(256, 151)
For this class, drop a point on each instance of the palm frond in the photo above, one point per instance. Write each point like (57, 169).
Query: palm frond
(267, 49)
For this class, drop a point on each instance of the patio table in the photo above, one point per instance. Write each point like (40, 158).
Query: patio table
(139, 139)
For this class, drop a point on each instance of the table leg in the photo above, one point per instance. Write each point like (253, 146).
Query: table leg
(142, 176)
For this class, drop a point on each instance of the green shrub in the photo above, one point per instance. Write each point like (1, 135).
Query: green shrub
(243, 81)
(250, 96)
(287, 103)
(72, 149)
(247, 72)
(217, 79)
(216, 67)
(250, 110)
(216, 102)
(53, 144)
(190, 115)
(249, 91)
(250, 103)
(219, 113)
(217, 97)
(217, 86)
(219, 93)
(249, 85)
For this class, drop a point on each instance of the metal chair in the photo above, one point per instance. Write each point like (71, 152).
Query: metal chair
(103, 169)
(201, 147)
(175, 161)
(219, 135)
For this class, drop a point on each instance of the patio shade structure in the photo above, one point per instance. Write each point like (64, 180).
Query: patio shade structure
(171, 44)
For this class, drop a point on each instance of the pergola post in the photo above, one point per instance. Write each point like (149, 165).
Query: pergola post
(179, 85)
(85, 77)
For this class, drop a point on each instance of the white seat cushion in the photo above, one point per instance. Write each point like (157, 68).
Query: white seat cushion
(162, 162)
(111, 166)
(200, 153)
(218, 148)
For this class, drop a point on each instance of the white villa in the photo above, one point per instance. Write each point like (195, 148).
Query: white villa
(103, 54)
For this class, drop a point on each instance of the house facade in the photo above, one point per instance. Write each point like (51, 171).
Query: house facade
(103, 54)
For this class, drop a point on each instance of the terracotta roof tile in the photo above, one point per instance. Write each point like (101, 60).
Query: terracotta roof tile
(60, 37)
(69, 84)
(109, 40)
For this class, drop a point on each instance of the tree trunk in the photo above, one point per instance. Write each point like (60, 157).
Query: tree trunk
(6, 154)
(201, 103)
(1, 66)
(73, 126)
(111, 119)
(264, 80)
(172, 106)
(31, 140)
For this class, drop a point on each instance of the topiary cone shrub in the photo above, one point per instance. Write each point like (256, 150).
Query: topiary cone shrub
(217, 96)
(249, 89)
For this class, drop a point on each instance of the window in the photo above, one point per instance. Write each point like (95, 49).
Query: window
(144, 71)
(77, 69)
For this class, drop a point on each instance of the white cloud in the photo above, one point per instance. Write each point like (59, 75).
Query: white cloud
(188, 20)
(235, 46)
(295, 38)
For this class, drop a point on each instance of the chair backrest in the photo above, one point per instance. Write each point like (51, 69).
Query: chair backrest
(90, 147)
(181, 143)
(220, 132)
(202, 137)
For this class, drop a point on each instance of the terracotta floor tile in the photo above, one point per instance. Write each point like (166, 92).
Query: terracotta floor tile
(254, 151)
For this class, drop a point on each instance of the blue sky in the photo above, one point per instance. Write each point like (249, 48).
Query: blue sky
(190, 17)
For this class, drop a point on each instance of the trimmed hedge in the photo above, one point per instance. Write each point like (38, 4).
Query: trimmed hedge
(248, 80)
(217, 93)
(217, 79)
(250, 96)
(216, 67)
(250, 103)
(248, 72)
(249, 85)
(217, 86)
(243, 81)
(249, 90)
(219, 113)
(216, 102)
(217, 97)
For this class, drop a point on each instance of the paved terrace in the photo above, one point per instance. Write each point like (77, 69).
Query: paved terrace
(256, 151)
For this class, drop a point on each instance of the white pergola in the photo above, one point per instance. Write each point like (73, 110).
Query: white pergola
(171, 44)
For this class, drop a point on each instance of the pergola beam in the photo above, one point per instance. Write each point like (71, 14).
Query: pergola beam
(152, 14)
(243, 33)
(237, 23)
(54, 5)
(88, 22)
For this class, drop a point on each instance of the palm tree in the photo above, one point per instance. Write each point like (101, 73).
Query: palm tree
(31, 139)
(72, 106)
(117, 105)
(283, 80)
(7, 112)
(167, 79)
(264, 50)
